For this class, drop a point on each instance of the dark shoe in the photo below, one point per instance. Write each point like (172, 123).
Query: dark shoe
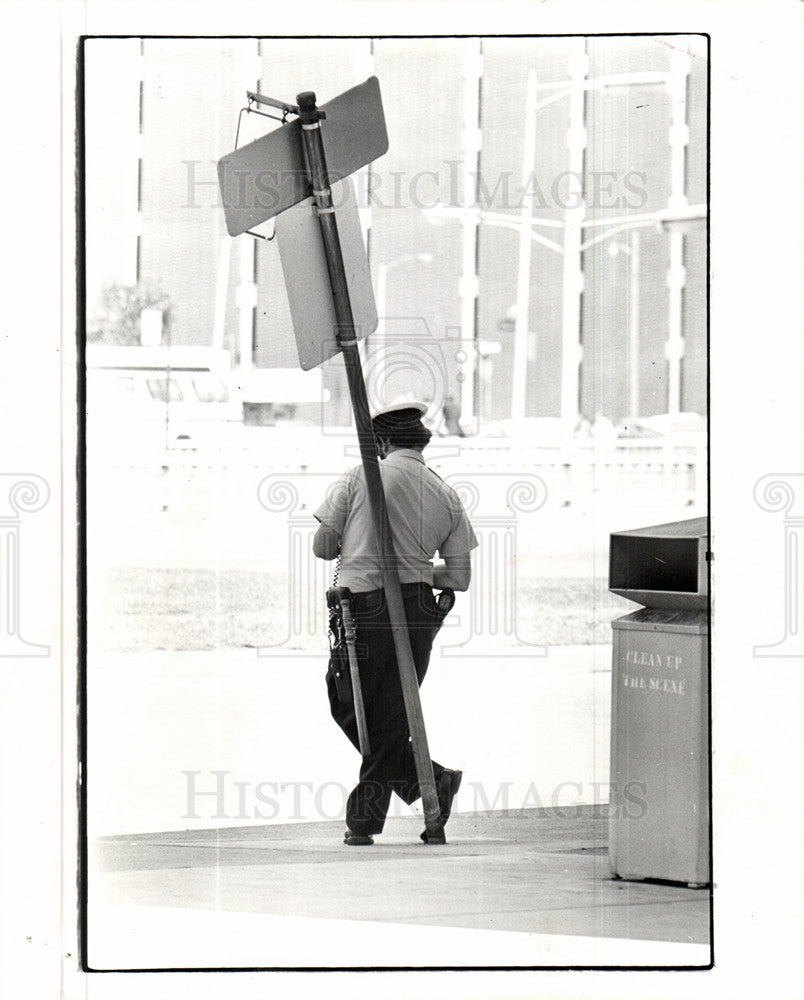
(447, 788)
(357, 839)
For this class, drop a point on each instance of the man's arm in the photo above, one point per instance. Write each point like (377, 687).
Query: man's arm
(455, 572)
(326, 542)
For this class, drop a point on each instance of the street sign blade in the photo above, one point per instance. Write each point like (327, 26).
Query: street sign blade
(304, 266)
(268, 176)
(262, 179)
(354, 131)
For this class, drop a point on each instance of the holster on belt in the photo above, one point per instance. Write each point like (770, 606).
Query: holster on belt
(338, 651)
(444, 602)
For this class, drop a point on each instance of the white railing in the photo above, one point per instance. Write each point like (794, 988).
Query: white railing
(573, 475)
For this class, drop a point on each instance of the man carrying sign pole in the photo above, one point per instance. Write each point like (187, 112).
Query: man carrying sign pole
(362, 818)
(292, 160)
(426, 517)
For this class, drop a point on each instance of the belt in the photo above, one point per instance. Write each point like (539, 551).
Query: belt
(368, 599)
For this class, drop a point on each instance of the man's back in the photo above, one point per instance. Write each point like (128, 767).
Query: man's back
(425, 514)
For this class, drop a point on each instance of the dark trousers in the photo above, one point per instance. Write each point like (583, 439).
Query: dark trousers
(390, 767)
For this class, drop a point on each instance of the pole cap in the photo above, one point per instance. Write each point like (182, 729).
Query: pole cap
(306, 100)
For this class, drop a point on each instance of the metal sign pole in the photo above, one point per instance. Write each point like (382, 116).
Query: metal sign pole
(316, 166)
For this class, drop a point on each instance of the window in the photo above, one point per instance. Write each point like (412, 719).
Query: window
(210, 389)
(165, 390)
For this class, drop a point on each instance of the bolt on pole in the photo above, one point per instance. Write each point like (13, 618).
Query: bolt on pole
(316, 166)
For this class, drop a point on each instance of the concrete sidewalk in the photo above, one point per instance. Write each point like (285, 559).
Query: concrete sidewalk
(526, 731)
(524, 888)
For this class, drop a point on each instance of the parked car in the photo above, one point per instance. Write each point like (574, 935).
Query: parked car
(176, 394)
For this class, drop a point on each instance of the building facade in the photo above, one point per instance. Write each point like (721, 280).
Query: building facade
(502, 226)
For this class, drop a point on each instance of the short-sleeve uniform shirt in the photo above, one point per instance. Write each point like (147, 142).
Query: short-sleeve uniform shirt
(425, 514)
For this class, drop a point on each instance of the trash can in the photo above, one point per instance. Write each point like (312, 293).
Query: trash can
(659, 806)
